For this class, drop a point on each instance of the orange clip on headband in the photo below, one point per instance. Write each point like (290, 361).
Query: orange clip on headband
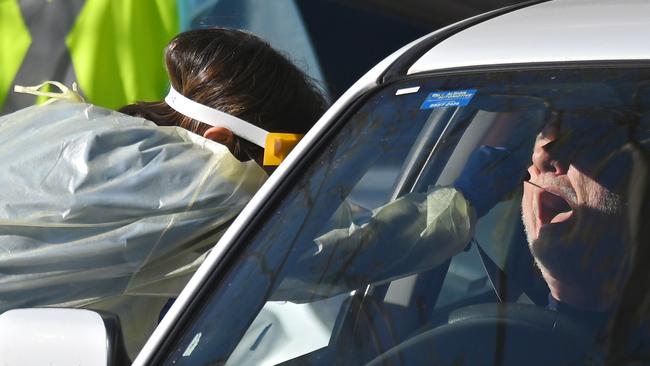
(276, 145)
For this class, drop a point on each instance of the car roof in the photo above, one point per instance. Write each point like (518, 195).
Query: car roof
(554, 31)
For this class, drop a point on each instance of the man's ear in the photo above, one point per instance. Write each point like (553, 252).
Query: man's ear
(221, 135)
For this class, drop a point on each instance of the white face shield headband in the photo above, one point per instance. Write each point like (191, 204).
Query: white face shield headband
(276, 145)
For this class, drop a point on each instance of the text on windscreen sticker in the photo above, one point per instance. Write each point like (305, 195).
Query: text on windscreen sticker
(453, 98)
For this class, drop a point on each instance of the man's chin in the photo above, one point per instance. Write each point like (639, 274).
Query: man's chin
(577, 259)
(545, 247)
(555, 253)
(549, 239)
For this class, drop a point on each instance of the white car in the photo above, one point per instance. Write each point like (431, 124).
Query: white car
(383, 240)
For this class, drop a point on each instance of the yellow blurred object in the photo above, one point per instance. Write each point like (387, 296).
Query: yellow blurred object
(15, 40)
(278, 146)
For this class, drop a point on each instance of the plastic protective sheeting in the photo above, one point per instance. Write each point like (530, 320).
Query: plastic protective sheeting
(97, 204)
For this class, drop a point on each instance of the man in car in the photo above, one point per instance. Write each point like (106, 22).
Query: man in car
(576, 215)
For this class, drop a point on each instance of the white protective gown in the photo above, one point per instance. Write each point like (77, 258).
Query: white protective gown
(102, 210)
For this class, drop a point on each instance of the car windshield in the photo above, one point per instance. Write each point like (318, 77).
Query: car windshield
(473, 218)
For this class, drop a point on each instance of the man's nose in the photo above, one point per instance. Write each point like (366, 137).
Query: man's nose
(546, 157)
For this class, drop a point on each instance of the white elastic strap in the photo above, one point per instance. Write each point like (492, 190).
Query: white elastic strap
(216, 118)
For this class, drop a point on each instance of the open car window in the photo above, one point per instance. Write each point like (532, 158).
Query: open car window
(375, 254)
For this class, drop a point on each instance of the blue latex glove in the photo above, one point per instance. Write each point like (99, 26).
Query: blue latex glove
(490, 174)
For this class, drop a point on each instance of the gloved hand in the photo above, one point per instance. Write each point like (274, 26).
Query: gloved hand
(490, 174)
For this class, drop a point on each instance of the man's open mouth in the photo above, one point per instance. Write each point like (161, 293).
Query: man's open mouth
(552, 208)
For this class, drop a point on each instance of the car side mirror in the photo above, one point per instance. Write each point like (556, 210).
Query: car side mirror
(61, 337)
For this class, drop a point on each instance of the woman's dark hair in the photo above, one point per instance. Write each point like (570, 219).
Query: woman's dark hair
(240, 74)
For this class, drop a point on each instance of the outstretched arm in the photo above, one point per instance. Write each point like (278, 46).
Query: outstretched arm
(411, 234)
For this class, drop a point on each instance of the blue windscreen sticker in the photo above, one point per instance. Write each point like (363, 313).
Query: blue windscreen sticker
(453, 98)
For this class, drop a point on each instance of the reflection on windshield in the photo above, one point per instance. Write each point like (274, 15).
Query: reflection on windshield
(487, 219)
